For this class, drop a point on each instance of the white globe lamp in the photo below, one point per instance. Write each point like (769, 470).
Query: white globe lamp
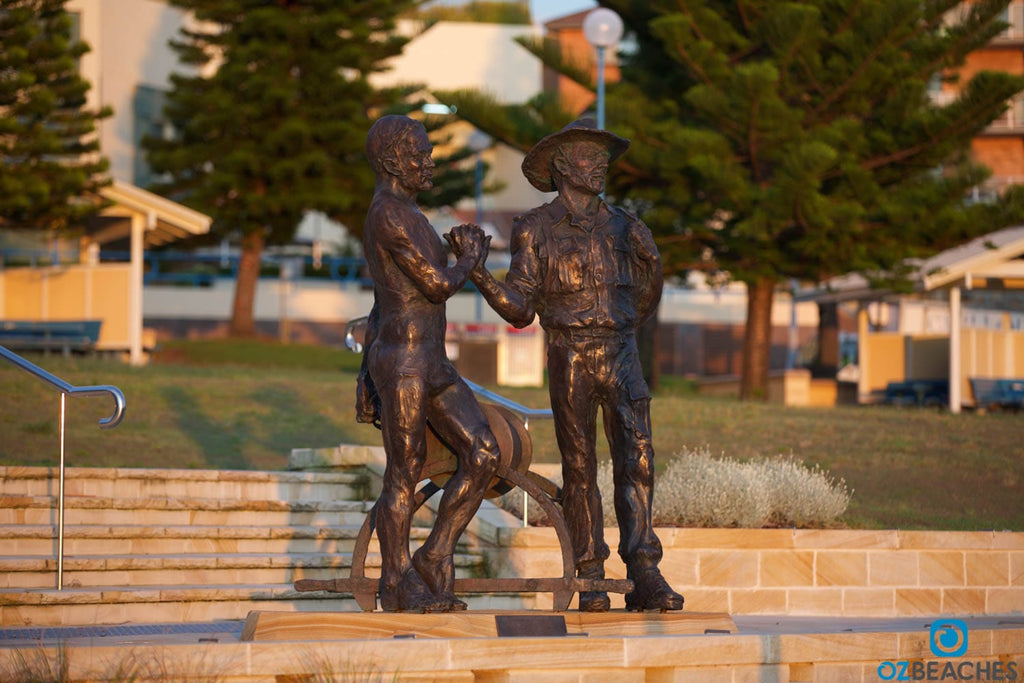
(602, 28)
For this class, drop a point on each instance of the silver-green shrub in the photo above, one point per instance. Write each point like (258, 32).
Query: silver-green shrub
(801, 496)
(699, 490)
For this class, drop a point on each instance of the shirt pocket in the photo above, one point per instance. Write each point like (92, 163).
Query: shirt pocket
(623, 261)
(568, 264)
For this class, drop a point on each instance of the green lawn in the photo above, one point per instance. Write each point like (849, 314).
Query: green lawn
(245, 405)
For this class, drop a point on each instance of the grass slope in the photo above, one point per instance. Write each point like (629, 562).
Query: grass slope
(245, 405)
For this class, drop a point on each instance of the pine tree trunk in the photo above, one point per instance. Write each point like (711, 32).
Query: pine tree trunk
(828, 340)
(757, 340)
(242, 319)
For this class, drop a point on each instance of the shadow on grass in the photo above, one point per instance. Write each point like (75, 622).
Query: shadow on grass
(296, 424)
(267, 425)
(221, 445)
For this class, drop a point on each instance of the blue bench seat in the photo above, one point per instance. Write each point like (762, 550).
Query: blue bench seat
(1000, 393)
(50, 335)
(918, 392)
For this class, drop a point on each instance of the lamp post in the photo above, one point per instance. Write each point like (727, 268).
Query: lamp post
(478, 142)
(602, 29)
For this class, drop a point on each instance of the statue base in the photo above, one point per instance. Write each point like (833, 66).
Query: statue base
(306, 626)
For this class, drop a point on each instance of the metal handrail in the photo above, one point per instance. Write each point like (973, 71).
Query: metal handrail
(518, 408)
(350, 333)
(65, 390)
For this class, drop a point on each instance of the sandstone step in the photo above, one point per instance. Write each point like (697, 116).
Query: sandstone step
(105, 540)
(187, 603)
(25, 509)
(211, 570)
(179, 545)
(139, 483)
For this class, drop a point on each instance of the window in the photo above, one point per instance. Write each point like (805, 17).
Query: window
(148, 119)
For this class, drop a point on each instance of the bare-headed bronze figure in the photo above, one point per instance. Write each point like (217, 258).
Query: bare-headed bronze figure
(592, 272)
(407, 381)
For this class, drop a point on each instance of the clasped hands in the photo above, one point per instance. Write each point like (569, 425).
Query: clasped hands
(469, 241)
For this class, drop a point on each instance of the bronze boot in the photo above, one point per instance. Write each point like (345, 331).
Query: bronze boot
(651, 591)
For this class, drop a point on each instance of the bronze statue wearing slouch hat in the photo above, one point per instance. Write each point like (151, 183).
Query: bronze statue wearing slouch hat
(592, 273)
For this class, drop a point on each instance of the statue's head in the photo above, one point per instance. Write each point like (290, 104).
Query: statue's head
(582, 165)
(399, 146)
(581, 146)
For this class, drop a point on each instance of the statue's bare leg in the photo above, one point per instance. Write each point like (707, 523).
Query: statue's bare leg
(460, 423)
(403, 428)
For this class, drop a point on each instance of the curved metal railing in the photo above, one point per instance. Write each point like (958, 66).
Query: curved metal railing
(65, 390)
(69, 389)
(350, 333)
(517, 408)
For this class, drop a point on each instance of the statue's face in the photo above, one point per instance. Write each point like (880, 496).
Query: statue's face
(416, 162)
(585, 168)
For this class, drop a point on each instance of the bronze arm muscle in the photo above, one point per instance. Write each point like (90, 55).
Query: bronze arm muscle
(437, 284)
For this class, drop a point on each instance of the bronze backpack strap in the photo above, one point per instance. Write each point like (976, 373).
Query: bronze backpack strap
(544, 245)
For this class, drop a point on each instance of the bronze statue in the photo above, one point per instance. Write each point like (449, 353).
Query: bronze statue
(407, 381)
(592, 272)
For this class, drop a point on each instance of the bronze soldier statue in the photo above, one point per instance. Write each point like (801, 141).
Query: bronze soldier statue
(407, 381)
(592, 273)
